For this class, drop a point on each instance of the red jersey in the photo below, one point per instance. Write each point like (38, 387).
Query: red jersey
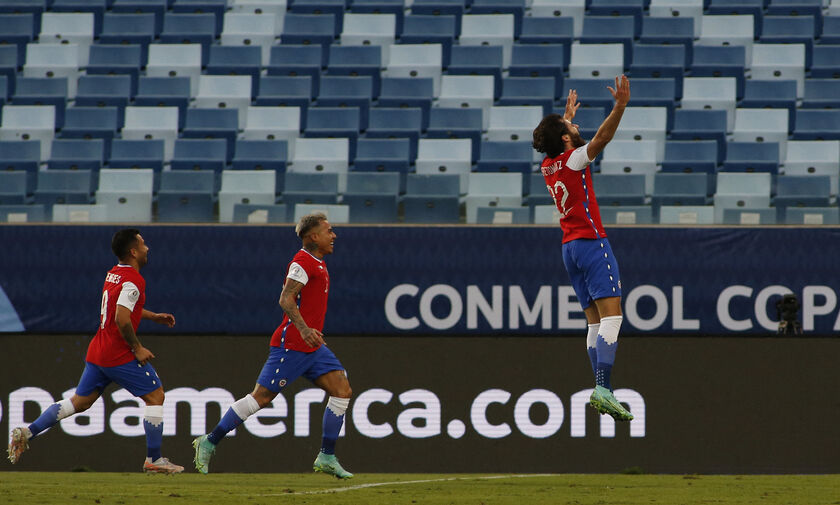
(312, 301)
(569, 181)
(124, 286)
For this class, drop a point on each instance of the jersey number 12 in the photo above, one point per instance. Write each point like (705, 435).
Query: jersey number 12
(559, 189)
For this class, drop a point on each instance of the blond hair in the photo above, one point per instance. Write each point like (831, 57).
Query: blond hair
(308, 222)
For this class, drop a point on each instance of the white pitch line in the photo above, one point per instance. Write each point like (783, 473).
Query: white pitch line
(405, 482)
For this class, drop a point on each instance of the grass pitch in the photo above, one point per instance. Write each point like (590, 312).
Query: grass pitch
(254, 489)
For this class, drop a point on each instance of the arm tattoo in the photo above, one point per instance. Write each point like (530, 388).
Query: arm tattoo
(129, 335)
(287, 302)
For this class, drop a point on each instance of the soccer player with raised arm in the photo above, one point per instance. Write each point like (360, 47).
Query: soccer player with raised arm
(587, 255)
(297, 348)
(116, 355)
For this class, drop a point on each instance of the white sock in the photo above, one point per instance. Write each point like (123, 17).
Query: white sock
(609, 328)
(245, 407)
(338, 406)
(153, 414)
(65, 409)
(592, 335)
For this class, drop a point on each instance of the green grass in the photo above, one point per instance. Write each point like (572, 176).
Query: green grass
(253, 489)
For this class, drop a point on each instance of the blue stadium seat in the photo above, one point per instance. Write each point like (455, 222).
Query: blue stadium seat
(591, 92)
(690, 156)
(753, 8)
(656, 93)
(505, 156)
(91, 123)
(348, 92)
(752, 157)
(720, 61)
(503, 215)
(13, 188)
(548, 60)
(23, 213)
(802, 191)
(821, 94)
(680, 189)
(392, 123)
(477, 60)
(262, 155)
(610, 30)
(117, 59)
(432, 199)
(335, 8)
(33, 8)
(421, 29)
(64, 186)
(830, 30)
(137, 154)
(825, 61)
(190, 29)
(555, 31)
(236, 60)
(408, 92)
(154, 7)
(309, 188)
(451, 123)
(105, 91)
(619, 189)
(371, 208)
(200, 154)
(798, 8)
(674, 30)
(298, 60)
(215, 7)
(42, 91)
(165, 92)
(129, 29)
(454, 8)
(310, 29)
(213, 124)
(17, 30)
(286, 91)
(700, 125)
(790, 30)
(770, 94)
(812, 124)
(383, 155)
(4, 90)
(21, 156)
(76, 154)
(332, 122)
(628, 214)
(356, 61)
(529, 91)
(633, 8)
(812, 215)
(395, 7)
(8, 68)
(653, 60)
(186, 197)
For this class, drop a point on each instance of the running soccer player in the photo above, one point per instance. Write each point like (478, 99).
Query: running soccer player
(116, 355)
(587, 255)
(297, 348)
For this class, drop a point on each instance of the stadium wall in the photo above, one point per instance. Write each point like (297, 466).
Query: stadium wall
(400, 280)
(454, 404)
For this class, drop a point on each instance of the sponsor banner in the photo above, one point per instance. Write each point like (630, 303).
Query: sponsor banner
(390, 280)
(454, 404)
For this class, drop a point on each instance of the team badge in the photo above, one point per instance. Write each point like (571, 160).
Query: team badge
(282, 382)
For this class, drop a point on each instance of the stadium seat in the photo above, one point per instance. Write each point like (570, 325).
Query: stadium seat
(77, 154)
(495, 7)
(711, 93)
(321, 155)
(561, 8)
(754, 8)
(701, 125)
(334, 122)
(811, 215)
(780, 62)
(383, 155)
(637, 157)
(23, 214)
(255, 155)
(64, 186)
(18, 30)
(445, 156)
(376, 30)
(659, 92)
(172, 92)
(198, 29)
(748, 216)
(310, 29)
(116, 59)
(543, 60)
(814, 124)
(545, 214)
(8, 69)
(627, 214)
(396, 123)
(200, 154)
(129, 29)
(69, 28)
(21, 156)
(105, 91)
(537, 190)
(762, 125)
(790, 30)
(477, 60)
(427, 30)
(557, 32)
(237, 61)
(830, 29)
(619, 8)
(137, 154)
(729, 30)
(176, 60)
(80, 213)
(680, 189)
(29, 122)
(505, 156)
(513, 123)
(671, 31)
(686, 214)
(594, 61)
(13, 188)
(186, 197)
(372, 197)
(821, 94)
(251, 30)
(761, 94)
(275, 7)
(260, 214)
(213, 124)
(691, 156)
(468, 91)
(720, 61)
(433, 184)
(489, 29)
(456, 123)
(408, 92)
(619, 189)
(645, 123)
(150, 123)
(311, 188)
(286, 92)
(348, 92)
(215, 7)
(42, 91)
(337, 214)
(298, 60)
(224, 93)
(57, 61)
(417, 61)
(657, 61)
(528, 91)
(742, 190)
(808, 157)
(274, 123)
(333, 8)
(154, 7)
(801, 191)
(608, 30)
(127, 194)
(244, 186)
(355, 61)
(492, 190)
(679, 8)
(752, 157)
(825, 61)
(503, 215)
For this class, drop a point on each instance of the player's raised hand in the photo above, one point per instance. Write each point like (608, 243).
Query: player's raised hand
(167, 319)
(312, 337)
(572, 105)
(143, 355)
(621, 93)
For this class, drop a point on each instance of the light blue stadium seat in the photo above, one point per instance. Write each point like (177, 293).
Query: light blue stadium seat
(754, 8)
(334, 122)
(503, 215)
(619, 189)
(681, 8)
(367, 29)
(417, 61)
(561, 8)
(255, 30)
(81, 213)
(256, 213)
(814, 157)
(740, 191)
(127, 194)
(728, 30)
(596, 61)
(489, 29)
(637, 157)
(274, 123)
(445, 156)
(245, 186)
(780, 62)
(29, 122)
(316, 155)
(75, 27)
(337, 214)
(763, 126)
(468, 91)
(176, 60)
(514, 7)
(395, 7)
(229, 92)
(23, 214)
(492, 190)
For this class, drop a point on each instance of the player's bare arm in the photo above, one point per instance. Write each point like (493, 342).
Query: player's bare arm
(572, 105)
(288, 298)
(606, 131)
(160, 318)
(123, 320)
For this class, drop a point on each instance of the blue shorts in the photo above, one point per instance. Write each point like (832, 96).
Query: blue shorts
(137, 379)
(284, 366)
(592, 269)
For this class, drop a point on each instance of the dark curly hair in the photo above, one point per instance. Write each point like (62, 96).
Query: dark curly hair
(548, 135)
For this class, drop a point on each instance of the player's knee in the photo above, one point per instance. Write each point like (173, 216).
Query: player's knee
(345, 391)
